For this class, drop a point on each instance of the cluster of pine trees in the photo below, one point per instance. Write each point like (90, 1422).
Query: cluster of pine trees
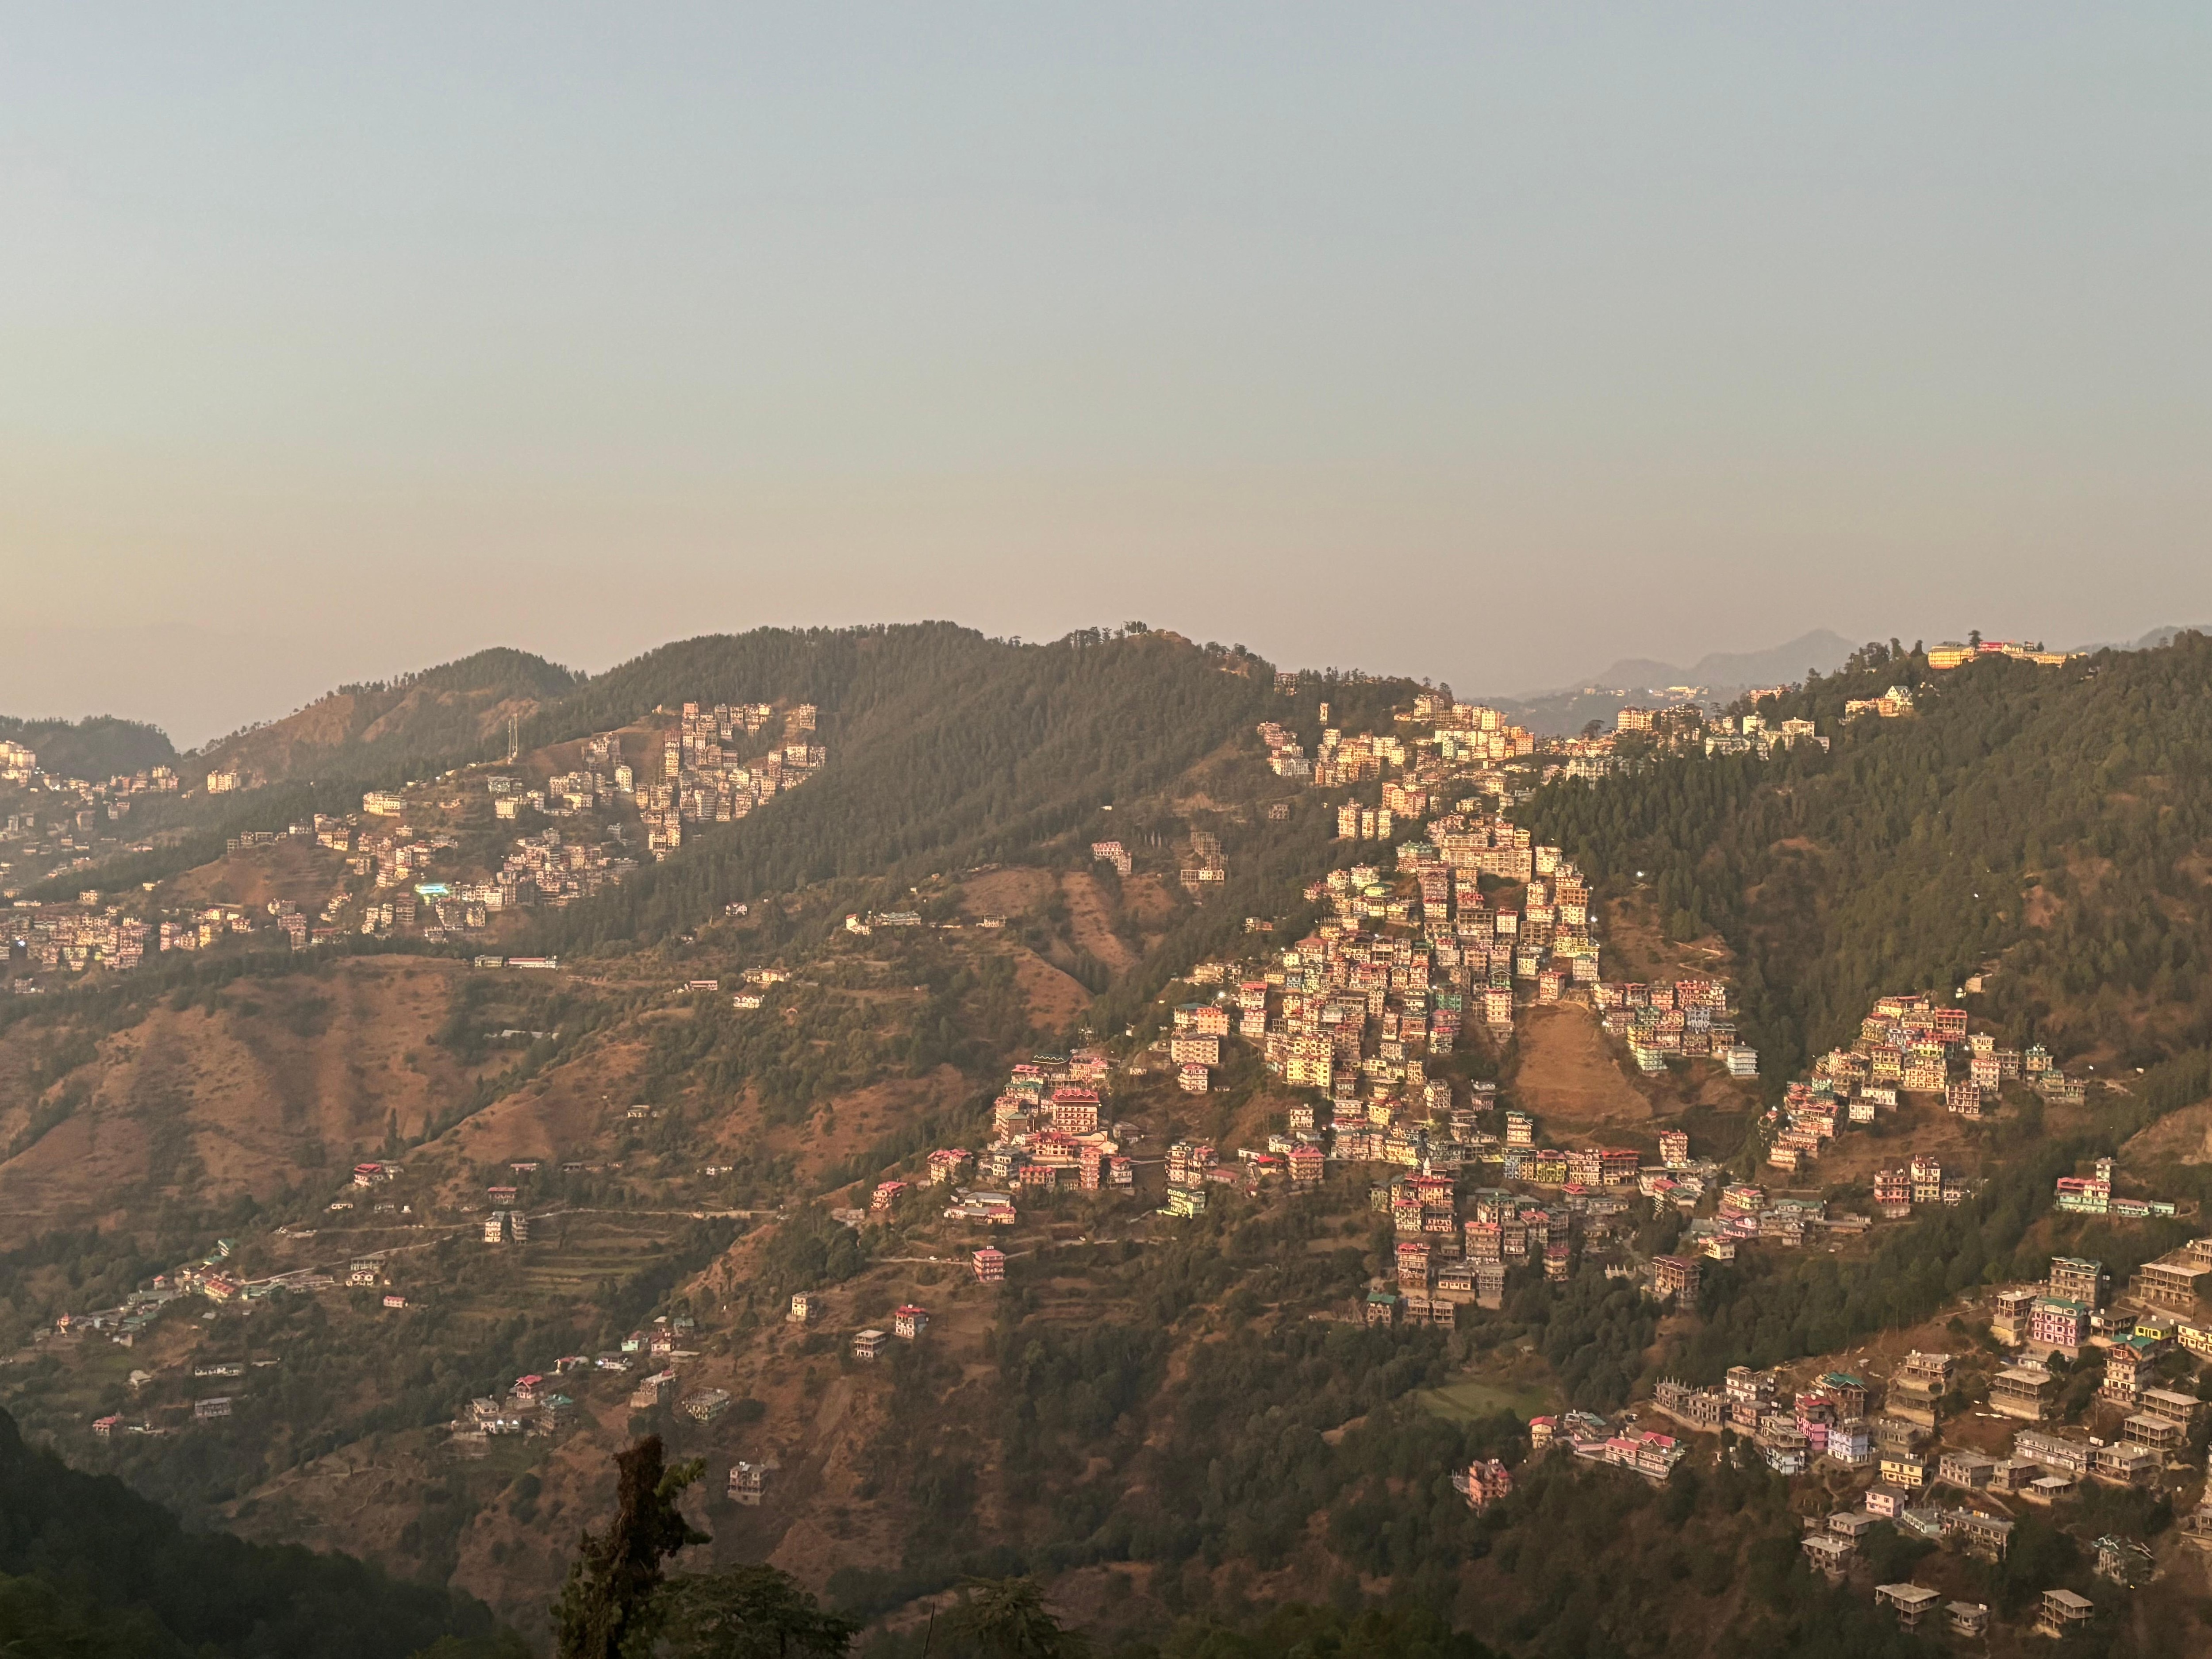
(2055, 820)
(97, 747)
(947, 749)
(87, 1567)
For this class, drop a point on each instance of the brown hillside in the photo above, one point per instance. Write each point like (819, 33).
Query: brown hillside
(2185, 1137)
(1569, 1075)
(445, 713)
(571, 1105)
(295, 745)
(1090, 921)
(1005, 892)
(1054, 998)
(294, 870)
(280, 1077)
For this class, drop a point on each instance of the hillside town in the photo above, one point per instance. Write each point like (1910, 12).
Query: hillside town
(400, 866)
(1106, 833)
(1954, 1449)
(1440, 933)
(52, 827)
(1908, 1046)
(1352, 1014)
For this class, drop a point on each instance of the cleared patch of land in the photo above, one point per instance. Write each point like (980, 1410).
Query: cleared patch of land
(1054, 998)
(293, 870)
(1569, 1075)
(1638, 948)
(2185, 1136)
(1005, 892)
(1474, 1397)
(1148, 898)
(1090, 921)
(571, 1105)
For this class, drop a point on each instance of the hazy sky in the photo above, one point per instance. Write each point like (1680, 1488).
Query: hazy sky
(1484, 343)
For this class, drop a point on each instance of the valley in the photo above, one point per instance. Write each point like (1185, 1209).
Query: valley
(1349, 1093)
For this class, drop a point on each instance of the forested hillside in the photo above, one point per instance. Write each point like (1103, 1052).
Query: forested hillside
(2054, 821)
(429, 720)
(1185, 1420)
(946, 748)
(97, 746)
(88, 1567)
(318, 759)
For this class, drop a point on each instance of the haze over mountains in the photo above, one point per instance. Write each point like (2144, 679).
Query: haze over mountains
(1717, 676)
(196, 686)
(481, 690)
(1821, 650)
(125, 727)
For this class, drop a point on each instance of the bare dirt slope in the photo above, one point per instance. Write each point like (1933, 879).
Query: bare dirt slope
(1090, 921)
(1056, 999)
(2186, 1136)
(568, 1106)
(298, 871)
(1007, 892)
(280, 1078)
(1639, 948)
(1569, 1074)
(1149, 899)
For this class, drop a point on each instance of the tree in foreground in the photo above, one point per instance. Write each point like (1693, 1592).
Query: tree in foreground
(606, 1609)
(619, 1604)
(1006, 1618)
(752, 1612)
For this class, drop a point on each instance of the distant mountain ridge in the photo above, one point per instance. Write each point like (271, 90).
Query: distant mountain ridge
(1632, 680)
(1822, 650)
(2163, 634)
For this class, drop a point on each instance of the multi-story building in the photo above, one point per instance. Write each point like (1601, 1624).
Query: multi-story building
(1675, 1276)
(2028, 1392)
(2009, 1315)
(1919, 1384)
(2169, 1284)
(2058, 1323)
(2077, 1280)
(2053, 1449)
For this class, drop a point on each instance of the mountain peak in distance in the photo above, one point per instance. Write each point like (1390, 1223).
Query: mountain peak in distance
(1823, 649)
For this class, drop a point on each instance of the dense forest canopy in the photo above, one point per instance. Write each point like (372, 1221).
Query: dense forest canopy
(500, 670)
(946, 749)
(96, 747)
(2054, 820)
(89, 1566)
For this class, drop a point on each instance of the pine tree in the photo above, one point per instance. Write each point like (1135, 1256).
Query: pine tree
(1006, 1618)
(752, 1612)
(606, 1608)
